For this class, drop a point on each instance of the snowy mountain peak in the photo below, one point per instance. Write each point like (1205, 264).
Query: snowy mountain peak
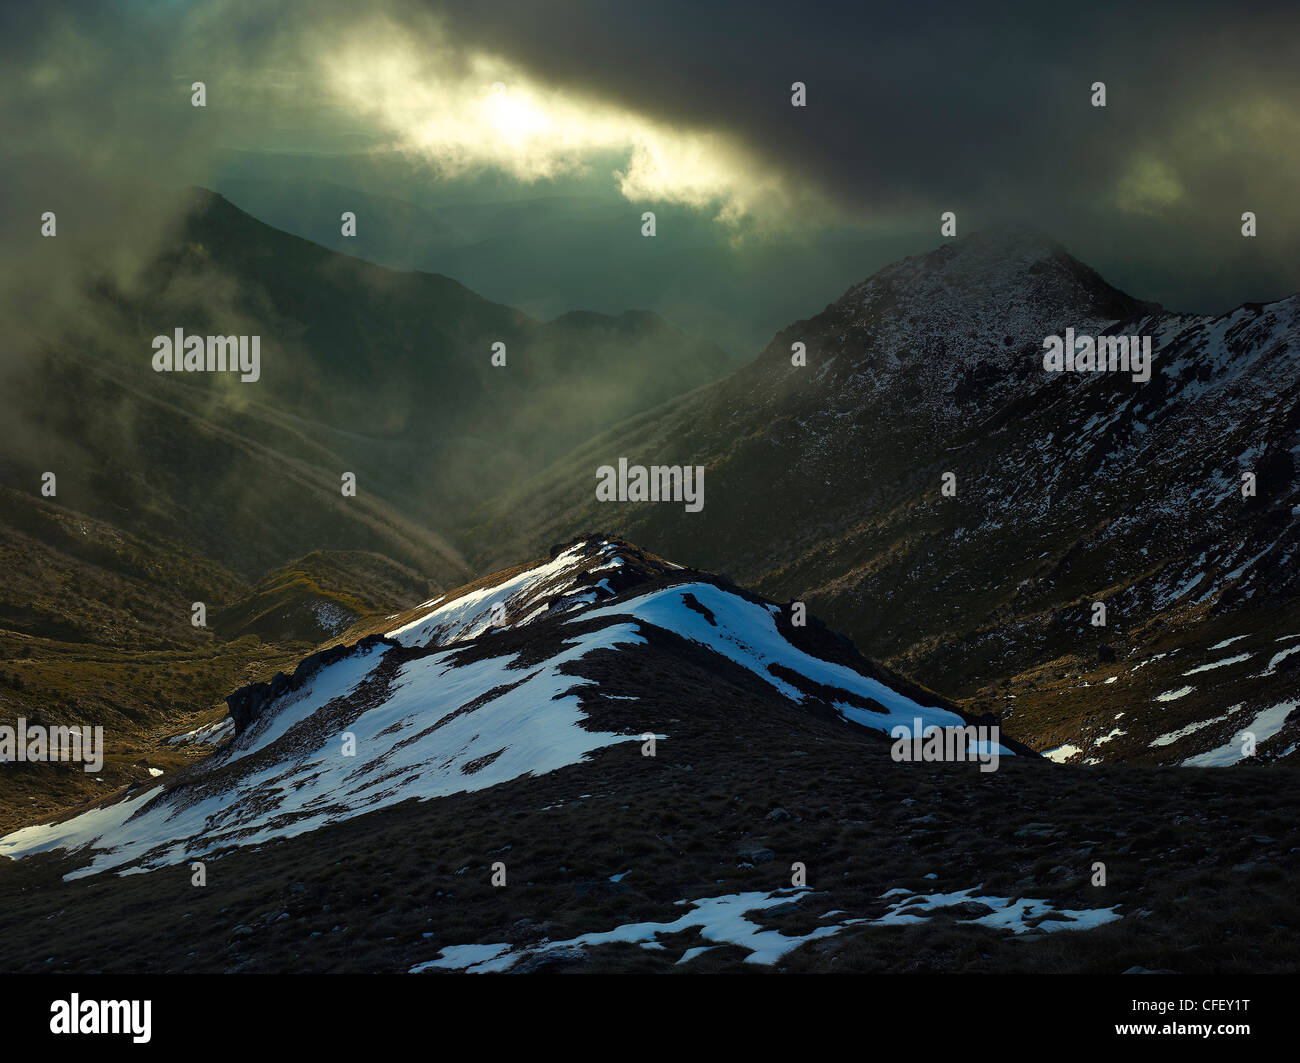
(1008, 274)
(578, 574)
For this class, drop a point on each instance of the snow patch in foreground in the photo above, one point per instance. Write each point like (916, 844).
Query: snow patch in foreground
(719, 919)
(1014, 914)
(724, 921)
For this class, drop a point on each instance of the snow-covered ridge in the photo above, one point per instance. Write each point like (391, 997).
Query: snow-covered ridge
(446, 702)
(519, 599)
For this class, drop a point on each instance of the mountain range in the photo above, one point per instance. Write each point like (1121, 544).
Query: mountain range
(394, 692)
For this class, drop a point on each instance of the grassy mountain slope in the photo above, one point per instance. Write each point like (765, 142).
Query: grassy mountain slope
(383, 374)
(95, 630)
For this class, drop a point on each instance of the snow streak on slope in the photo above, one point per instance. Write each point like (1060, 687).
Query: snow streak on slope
(746, 633)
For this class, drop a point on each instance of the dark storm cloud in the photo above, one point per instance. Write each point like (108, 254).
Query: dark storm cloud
(982, 109)
(908, 100)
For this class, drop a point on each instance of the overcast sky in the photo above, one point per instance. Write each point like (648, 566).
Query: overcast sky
(912, 110)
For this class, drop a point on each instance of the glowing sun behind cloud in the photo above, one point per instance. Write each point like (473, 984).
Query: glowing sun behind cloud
(463, 112)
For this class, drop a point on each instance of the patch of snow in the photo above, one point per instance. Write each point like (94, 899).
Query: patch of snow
(698, 950)
(1008, 914)
(1263, 727)
(1219, 664)
(475, 958)
(208, 734)
(725, 921)
(1276, 660)
(1173, 736)
(1174, 695)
